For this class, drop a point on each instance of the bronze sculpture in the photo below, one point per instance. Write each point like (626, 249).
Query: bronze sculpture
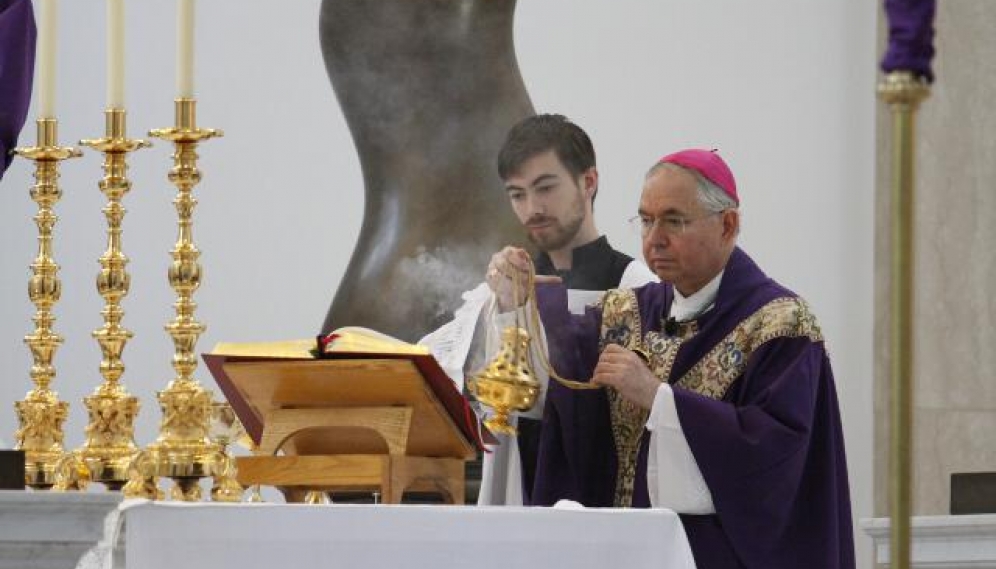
(428, 88)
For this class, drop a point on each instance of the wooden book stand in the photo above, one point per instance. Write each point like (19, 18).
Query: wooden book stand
(371, 424)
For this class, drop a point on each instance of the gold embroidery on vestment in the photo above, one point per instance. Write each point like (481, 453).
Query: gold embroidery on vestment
(788, 317)
(620, 327)
(712, 376)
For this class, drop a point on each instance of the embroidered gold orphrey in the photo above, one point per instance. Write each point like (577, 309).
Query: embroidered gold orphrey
(712, 376)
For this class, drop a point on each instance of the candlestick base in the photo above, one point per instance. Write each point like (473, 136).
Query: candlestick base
(143, 482)
(183, 449)
(110, 445)
(41, 416)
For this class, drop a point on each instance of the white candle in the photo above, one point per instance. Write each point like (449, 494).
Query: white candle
(115, 54)
(46, 59)
(185, 49)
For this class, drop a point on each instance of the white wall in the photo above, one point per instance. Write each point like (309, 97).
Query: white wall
(784, 88)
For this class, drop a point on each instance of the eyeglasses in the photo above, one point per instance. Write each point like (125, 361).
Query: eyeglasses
(671, 225)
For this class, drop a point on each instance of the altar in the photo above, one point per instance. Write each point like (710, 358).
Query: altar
(50, 530)
(165, 535)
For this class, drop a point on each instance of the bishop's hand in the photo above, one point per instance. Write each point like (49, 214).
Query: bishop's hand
(628, 373)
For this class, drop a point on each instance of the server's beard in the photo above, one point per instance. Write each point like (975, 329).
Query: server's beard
(559, 233)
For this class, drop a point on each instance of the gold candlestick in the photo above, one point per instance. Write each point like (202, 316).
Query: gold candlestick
(41, 414)
(183, 451)
(110, 434)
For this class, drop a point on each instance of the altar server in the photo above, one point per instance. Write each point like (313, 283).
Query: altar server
(548, 166)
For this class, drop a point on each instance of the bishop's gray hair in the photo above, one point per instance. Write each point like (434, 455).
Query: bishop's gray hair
(711, 196)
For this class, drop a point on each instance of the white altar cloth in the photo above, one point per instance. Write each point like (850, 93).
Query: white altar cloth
(243, 536)
(50, 530)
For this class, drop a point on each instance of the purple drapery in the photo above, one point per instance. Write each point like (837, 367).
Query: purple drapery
(911, 37)
(17, 61)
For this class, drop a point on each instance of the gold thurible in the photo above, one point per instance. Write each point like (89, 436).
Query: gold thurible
(110, 434)
(183, 451)
(41, 415)
(903, 92)
(508, 384)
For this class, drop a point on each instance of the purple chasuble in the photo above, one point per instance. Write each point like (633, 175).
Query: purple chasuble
(756, 399)
(17, 60)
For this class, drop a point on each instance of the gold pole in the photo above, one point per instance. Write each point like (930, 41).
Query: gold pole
(903, 92)
(41, 414)
(110, 434)
(183, 451)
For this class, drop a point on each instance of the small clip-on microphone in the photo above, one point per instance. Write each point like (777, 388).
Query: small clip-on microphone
(671, 326)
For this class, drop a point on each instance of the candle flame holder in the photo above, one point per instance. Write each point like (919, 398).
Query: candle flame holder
(41, 414)
(183, 451)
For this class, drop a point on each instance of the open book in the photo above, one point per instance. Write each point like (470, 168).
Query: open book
(348, 343)
(359, 340)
